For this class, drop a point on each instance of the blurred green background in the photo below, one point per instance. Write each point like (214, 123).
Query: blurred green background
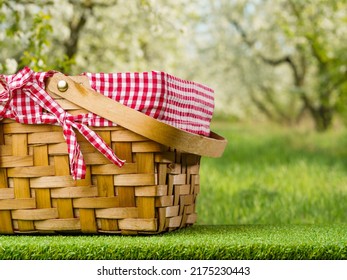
(278, 68)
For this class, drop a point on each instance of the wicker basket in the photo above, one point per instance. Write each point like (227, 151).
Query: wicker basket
(155, 191)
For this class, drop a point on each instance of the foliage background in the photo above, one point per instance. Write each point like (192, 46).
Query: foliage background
(282, 60)
(275, 62)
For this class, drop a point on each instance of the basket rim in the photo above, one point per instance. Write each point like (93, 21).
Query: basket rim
(80, 93)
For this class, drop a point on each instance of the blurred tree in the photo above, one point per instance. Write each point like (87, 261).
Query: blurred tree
(286, 58)
(290, 55)
(94, 35)
(25, 31)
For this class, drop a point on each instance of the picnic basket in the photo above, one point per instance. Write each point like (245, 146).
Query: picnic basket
(154, 191)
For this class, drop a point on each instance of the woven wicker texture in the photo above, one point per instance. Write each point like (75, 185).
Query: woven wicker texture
(155, 191)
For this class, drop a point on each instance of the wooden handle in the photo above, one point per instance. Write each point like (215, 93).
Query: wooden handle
(82, 95)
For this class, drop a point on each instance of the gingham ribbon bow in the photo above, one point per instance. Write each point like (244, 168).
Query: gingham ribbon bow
(32, 84)
(5, 94)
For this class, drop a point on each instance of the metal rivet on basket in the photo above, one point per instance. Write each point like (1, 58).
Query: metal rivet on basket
(62, 86)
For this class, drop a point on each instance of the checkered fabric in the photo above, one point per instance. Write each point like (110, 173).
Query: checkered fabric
(184, 104)
(25, 100)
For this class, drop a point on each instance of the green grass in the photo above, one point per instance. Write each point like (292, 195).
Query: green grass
(271, 175)
(294, 242)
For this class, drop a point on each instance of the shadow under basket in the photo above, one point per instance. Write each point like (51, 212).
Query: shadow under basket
(155, 191)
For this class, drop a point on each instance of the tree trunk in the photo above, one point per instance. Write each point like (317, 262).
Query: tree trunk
(323, 118)
(76, 25)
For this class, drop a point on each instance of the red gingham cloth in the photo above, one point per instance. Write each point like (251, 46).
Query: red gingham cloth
(25, 100)
(184, 104)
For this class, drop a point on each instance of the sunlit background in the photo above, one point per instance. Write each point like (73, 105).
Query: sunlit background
(278, 68)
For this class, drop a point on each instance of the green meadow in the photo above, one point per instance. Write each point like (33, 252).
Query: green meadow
(275, 175)
(225, 242)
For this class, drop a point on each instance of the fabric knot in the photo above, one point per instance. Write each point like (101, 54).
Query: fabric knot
(5, 93)
(63, 118)
(11, 83)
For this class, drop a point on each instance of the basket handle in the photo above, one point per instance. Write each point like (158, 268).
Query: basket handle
(78, 91)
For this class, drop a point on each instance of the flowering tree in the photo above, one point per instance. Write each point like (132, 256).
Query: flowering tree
(287, 59)
(289, 55)
(93, 35)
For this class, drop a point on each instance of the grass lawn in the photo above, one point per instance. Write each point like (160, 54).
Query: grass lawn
(272, 175)
(252, 242)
